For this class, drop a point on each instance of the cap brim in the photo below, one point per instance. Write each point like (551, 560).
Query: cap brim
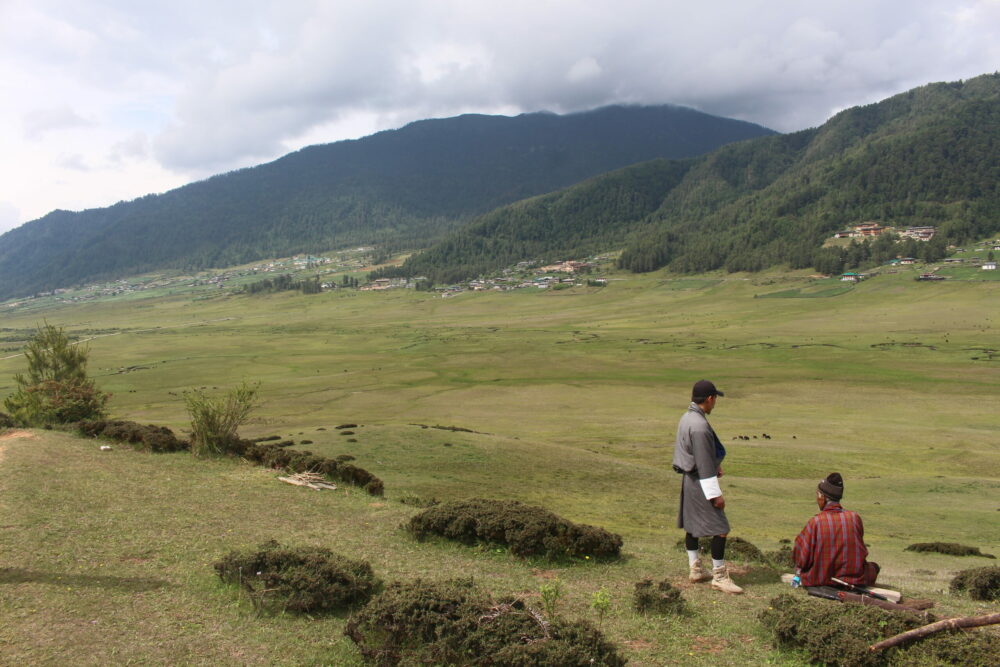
(719, 393)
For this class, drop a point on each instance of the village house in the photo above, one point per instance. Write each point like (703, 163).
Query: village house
(870, 229)
(564, 267)
(925, 233)
(989, 266)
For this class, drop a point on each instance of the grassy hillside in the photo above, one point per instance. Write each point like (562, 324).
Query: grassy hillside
(573, 398)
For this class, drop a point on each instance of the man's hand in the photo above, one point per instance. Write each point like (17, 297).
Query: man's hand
(718, 472)
(718, 503)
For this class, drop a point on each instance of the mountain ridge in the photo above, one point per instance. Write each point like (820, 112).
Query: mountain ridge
(396, 188)
(928, 156)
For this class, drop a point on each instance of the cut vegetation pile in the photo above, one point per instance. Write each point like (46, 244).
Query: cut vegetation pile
(838, 634)
(149, 437)
(949, 548)
(527, 530)
(980, 583)
(454, 623)
(274, 455)
(304, 580)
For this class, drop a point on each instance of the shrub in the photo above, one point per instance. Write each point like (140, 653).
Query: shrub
(453, 623)
(949, 548)
(150, 437)
(214, 420)
(301, 579)
(56, 389)
(661, 599)
(736, 549)
(6, 421)
(981, 583)
(527, 530)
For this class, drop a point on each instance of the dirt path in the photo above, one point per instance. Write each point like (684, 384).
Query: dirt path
(11, 435)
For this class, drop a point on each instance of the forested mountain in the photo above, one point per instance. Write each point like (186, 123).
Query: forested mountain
(399, 188)
(930, 156)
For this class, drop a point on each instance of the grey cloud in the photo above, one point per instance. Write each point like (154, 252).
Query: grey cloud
(39, 122)
(134, 147)
(74, 162)
(782, 63)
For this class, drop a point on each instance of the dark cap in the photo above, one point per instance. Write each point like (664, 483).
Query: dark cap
(833, 486)
(702, 390)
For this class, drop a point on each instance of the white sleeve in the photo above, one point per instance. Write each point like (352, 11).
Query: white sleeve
(710, 485)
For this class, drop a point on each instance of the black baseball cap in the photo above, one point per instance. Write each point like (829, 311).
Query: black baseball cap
(702, 390)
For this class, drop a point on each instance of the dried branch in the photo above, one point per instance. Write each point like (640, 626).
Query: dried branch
(947, 624)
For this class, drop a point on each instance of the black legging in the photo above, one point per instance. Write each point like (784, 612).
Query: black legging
(718, 545)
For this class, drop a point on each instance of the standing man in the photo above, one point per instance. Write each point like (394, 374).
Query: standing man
(832, 544)
(698, 454)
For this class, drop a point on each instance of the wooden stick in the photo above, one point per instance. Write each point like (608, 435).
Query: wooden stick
(947, 624)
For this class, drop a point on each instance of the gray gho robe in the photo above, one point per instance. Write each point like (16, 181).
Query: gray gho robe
(699, 452)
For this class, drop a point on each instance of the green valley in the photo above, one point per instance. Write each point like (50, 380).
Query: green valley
(567, 398)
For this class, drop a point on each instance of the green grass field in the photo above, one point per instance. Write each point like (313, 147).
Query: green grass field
(573, 397)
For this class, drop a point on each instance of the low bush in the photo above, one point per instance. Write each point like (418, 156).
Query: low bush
(949, 548)
(147, 437)
(454, 623)
(267, 438)
(839, 634)
(306, 580)
(980, 583)
(526, 529)
(736, 549)
(6, 421)
(661, 598)
(215, 420)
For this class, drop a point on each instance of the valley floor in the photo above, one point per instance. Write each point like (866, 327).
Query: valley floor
(570, 400)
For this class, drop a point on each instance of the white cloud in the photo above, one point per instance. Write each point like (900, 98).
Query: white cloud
(152, 94)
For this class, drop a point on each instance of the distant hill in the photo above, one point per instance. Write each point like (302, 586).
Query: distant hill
(399, 188)
(930, 156)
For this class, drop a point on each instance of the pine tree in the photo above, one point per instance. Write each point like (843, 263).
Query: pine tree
(56, 388)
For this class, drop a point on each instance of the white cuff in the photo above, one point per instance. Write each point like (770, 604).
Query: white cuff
(710, 485)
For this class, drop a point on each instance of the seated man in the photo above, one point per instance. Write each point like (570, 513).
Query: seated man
(832, 543)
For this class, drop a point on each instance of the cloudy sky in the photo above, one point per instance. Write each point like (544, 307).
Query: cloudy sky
(104, 100)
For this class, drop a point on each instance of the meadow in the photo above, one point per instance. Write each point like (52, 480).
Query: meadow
(570, 400)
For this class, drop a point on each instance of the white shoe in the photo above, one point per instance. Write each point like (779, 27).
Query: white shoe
(697, 573)
(722, 582)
